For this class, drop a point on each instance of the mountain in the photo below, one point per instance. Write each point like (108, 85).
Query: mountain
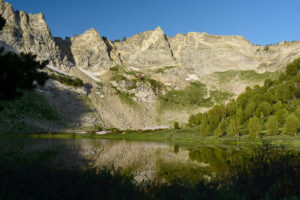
(149, 79)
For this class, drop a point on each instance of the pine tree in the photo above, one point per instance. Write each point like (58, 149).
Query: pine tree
(281, 116)
(291, 125)
(221, 129)
(250, 109)
(272, 125)
(254, 126)
(204, 128)
(233, 127)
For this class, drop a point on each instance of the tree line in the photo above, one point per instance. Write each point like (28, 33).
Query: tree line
(271, 109)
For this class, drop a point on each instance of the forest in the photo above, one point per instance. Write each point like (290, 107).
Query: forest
(270, 109)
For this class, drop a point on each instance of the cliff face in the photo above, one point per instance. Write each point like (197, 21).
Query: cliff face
(29, 33)
(146, 50)
(149, 64)
(197, 53)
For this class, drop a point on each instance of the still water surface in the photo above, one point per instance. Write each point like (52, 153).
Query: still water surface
(145, 160)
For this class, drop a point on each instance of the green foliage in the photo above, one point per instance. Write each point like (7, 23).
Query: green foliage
(161, 70)
(293, 68)
(18, 72)
(221, 129)
(292, 124)
(191, 96)
(249, 113)
(176, 125)
(250, 109)
(248, 76)
(67, 80)
(264, 108)
(254, 127)
(31, 106)
(220, 96)
(266, 48)
(233, 128)
(272, 125)
(281, 116)
(204, 128)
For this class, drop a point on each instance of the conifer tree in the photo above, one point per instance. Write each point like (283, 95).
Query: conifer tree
(291, 125)
(272, 125)
(254, 127)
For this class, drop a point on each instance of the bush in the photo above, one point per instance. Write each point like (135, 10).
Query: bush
(176, 125)
(67, 80)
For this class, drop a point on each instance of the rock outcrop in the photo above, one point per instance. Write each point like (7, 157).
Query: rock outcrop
(29, 33)
(145, 50)
(90, 51)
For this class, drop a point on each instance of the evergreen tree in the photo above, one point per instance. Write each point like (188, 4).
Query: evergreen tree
(250, 109)
(297, 112)
(272, 125)
(18, 72)
(291, 125)
(264, 108)
(233, 127)
(277, 106)
(221, 129)
(281, 116)
(254, 126)
(204, 128)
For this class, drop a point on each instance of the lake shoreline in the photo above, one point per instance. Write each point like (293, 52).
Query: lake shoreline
(182, 137)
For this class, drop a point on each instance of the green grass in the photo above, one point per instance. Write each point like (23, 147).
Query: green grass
(188, 137)
(161, 70)
(219, 96)
(67, 80)
(248, 76)
(31, 106)
(126, 97)
(189, 97)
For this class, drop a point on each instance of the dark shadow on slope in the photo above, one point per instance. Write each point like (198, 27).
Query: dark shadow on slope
(65, 48)
(71, 108)
(46, 110)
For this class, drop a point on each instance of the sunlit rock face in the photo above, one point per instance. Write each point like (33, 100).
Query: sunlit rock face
(145, 50)
(202, 53)
(29, 33)
(90, 51)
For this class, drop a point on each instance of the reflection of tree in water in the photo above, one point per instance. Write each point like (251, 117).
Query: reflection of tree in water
(218, 158)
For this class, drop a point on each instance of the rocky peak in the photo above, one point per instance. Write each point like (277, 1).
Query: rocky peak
(146, 50)
(89, 50)
(29, 33)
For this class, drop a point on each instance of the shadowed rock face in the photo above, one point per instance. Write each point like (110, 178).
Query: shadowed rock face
(30, 33)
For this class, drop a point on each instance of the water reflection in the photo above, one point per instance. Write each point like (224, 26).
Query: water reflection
(146, 160)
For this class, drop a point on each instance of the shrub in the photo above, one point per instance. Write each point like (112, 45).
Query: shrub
(67, 80)
(176, 125)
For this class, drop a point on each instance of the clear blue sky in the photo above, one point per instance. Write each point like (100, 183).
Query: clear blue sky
(260, 21)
